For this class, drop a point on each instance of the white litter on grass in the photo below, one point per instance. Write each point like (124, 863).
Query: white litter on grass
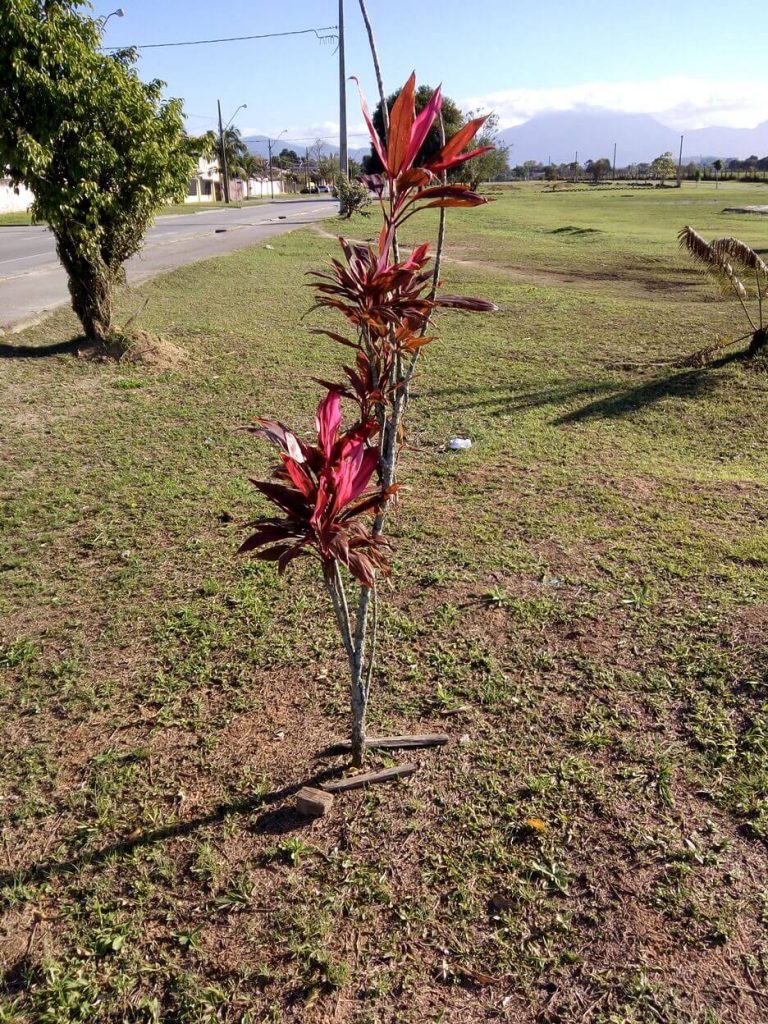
(459, 444)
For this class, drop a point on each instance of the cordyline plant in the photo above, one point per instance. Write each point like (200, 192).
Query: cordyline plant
(332, 497)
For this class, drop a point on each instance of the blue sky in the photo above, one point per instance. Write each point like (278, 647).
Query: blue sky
(689, 62)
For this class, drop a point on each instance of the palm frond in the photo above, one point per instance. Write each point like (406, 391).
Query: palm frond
(707, 253)
(741, 253)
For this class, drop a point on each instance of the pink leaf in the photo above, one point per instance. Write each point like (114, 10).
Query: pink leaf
(327, 421)
(421, 127)
(369, 123)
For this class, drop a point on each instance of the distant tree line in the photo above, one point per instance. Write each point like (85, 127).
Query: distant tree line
(662, 169)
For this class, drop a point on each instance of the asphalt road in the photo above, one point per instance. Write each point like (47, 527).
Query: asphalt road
(32, 281)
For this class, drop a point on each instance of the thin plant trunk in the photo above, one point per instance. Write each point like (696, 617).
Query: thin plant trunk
(376, 68)
(361, 672)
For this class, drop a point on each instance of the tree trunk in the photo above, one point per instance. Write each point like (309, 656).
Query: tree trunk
(90, 284)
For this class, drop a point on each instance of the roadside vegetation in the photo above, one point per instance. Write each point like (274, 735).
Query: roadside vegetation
(101, 150)
(582, 605)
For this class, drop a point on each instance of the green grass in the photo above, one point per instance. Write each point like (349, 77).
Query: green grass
(580, 600)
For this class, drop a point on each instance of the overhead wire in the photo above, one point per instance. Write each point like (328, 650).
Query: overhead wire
(233, 39)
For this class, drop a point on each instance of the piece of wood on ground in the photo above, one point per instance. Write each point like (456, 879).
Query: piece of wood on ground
(437, 739)
(369, 778)
(313, 803)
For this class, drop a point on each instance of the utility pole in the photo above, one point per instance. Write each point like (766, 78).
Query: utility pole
(306, 165)
(576, 165)
(269, 144)
(614, 161)
(343, 151)
(680, 164)
(223, 157)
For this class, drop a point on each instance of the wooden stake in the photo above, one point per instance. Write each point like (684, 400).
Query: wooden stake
(438, 739)
(367, 779)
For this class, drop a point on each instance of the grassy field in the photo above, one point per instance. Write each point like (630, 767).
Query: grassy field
(580, 600)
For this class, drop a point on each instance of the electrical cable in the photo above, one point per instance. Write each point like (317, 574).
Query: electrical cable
(231, 39)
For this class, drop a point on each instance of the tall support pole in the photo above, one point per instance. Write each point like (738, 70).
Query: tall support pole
(343, 148)
(680, 164)
(271, 181)
(223, 157)
(614, 161)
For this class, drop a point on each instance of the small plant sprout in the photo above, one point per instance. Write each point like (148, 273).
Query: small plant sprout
(333, 495)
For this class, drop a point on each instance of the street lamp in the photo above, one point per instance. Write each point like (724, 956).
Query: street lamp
(119, 13)
(243, 106)
(223, 150)
(269, 146)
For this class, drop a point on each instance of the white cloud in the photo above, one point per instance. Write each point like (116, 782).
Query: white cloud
(679, 102)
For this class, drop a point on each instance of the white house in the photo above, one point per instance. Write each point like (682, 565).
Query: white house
(14, 198)
(206, 186)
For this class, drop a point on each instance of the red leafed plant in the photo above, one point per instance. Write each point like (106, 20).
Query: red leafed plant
(323, 491)
(333, 496)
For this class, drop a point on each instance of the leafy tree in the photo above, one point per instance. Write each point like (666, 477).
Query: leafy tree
(202, 145)
(663, 167)
(354, 197)
(551, 173)
(453, 119)
(236, 153)
(101, 150)
(287, 159)
(253, 166)
(328, 168)
(718, 166)
(490, 166)
(598, 169)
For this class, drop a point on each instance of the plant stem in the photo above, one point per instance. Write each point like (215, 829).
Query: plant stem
(358, 689)
(440, 230)
(335, 587)
(376, 68)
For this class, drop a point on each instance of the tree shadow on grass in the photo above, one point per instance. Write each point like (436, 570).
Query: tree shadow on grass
(508, 400)
(688, 385)
(59, 348)
(277, 821)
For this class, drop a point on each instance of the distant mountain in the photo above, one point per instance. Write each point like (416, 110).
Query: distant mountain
(639, 138)
(258, 144)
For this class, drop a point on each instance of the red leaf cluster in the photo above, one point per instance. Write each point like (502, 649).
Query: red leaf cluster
(324, 493)
(407, 132)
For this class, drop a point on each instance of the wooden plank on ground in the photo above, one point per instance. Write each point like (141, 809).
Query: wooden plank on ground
(438, 739)
(369, 778)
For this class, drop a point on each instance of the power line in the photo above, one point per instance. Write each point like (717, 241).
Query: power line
(233, 39)
(313, 138)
